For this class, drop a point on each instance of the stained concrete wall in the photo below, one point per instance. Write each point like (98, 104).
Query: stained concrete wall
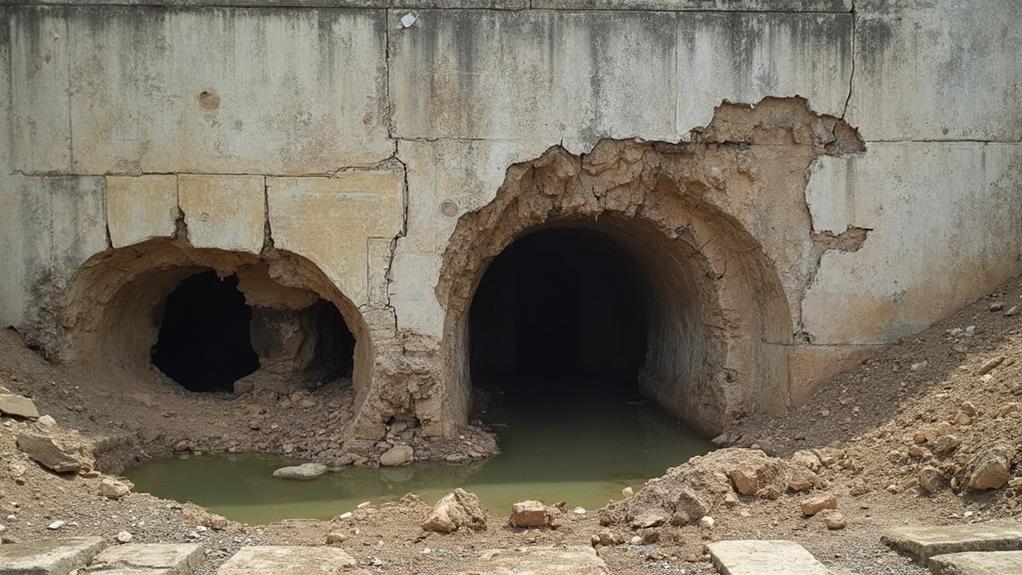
(327, 128)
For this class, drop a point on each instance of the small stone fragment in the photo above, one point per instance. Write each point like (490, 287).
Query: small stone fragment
(18, 406)
(647, 519)
(303, 472)
(989, 469)
(835, 521)
(814, 505)
(744, 480)
(706, 523)
(990, 365)
(113, 489)
(455, 510)
(627, 492)
(946, 444)
(530, 514)
(930, 479)
(47, 421)
(397, 455)
(124, 537)
(335, 538)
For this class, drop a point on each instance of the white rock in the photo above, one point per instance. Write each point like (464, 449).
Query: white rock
(707, 522)
(47, 421)
(303, 472)
(124, 537)
(56, 525)
(397, 455)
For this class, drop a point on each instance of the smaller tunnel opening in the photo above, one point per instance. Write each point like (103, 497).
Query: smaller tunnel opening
(247, 333)
(203, 342)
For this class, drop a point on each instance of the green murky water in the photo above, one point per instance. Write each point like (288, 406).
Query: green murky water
(578, 449)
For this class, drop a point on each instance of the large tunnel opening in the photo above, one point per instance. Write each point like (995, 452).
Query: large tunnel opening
(560, 330)
(203, 342)
(565, 304)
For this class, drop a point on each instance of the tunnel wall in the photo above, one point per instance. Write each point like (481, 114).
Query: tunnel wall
(330, 130)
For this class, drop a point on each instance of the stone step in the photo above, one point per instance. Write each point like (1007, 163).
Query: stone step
(49, 556)
(278, 560)
(147, 559)
(925, 542)
(543, 560)
(977, 563)
(755, 557)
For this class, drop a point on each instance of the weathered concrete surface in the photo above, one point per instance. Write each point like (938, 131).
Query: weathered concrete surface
(754, 557)
(567, 560)
(40, 60)
(274, 560)
(928, 253)
(224, 212)
(140, 208)
(973, 563)
(148, 559)
(329, 220)
(937, 70)
(464, 75)
(49, 556)
(53, 225)
(281, 91)
(925, 542)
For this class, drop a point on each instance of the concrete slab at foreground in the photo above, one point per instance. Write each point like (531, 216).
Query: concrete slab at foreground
(569, 560)
(147, 559)
(752, 557)
(925, 542)
(49, 557)
(976, 563)
(275, 560)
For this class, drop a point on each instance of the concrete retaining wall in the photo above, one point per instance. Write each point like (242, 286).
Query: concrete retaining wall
(335, 130)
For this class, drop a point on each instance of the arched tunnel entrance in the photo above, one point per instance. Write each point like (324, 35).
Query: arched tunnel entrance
(210, 337)
(216, 321)
(568, 304)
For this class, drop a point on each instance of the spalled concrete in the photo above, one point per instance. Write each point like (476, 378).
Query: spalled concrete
(755, 557)
(274, 560)
(973, 563)
(926, 542)
(49, 556)
(147, 559)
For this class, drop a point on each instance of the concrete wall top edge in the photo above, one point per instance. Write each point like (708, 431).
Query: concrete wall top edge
(611, 5)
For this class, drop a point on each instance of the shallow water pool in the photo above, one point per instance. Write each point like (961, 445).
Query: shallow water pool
(582, 453)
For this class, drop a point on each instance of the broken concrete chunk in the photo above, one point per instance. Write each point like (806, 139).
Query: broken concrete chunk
(764, 558)
(647, 519)
(972, 563)
(303, 472)
(60, 454)
(530, 514)
(926, 542)
(152, 559)
(274, 560)
(18, 406)
(455, 510)
(569, 560)
(816, 504)
(49, 556)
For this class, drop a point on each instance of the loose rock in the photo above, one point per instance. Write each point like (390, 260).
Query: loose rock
(18, 406)
(113, 489)
(303, 472)
(989, 469)
(455, 510)
(397, 455)
(814, 505)
(530, 514)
